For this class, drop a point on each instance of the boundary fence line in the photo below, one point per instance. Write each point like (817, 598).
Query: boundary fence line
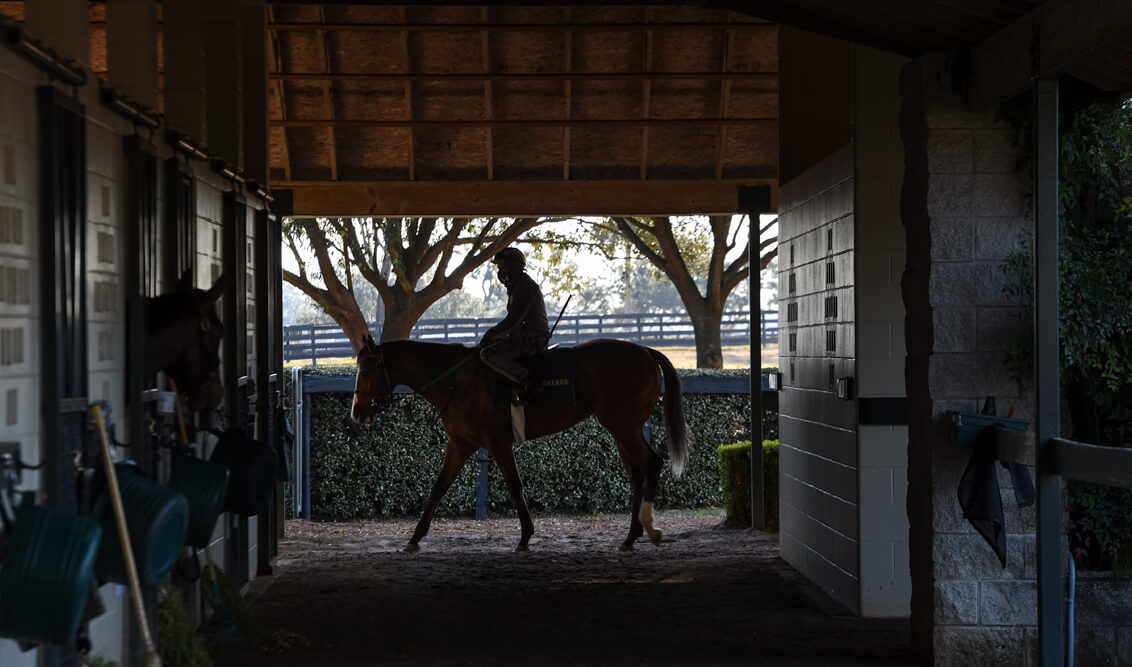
(326, 341)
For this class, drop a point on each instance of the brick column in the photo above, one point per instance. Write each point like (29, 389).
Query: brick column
(131, 36)
(64, 25)
(186, 89)
(964, 208)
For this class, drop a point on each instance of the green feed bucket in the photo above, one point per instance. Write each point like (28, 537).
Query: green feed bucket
(47, 575)
(157, 518)
(203, 484)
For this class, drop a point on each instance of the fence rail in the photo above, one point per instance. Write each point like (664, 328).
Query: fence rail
(326, 341)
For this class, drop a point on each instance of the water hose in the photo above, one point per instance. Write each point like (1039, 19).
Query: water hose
(149, 650)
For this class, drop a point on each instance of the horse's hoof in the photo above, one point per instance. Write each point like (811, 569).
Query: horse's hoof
(522, 548)
(411, 548)
(656, 536)
(626, 547)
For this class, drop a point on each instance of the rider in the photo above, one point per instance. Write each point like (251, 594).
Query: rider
(523, 332)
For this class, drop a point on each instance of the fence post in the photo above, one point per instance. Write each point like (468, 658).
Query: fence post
(482, 479)
(314, 351)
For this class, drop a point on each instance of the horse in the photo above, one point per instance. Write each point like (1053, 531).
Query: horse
(183, 334)
(617, 381)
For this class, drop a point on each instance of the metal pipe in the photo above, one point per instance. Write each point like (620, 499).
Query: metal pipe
(44, 56)
(1069, 600)
(135, 112)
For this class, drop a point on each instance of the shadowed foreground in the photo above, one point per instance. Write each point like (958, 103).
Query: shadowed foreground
(343, 594)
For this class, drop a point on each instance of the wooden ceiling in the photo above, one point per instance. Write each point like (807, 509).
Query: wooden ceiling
(526, 107)
(534, 96)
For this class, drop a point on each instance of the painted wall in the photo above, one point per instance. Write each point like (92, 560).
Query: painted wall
(882, 432)
(817, 431)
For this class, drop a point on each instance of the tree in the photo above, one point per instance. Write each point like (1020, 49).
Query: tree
(410, 263)
(686, 250)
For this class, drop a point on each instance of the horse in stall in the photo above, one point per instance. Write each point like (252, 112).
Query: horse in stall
(617, 381)
(183, 336)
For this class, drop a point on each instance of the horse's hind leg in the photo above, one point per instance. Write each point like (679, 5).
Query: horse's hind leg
(652, 482)
(505, 459)
(636, 480)
(455, 456)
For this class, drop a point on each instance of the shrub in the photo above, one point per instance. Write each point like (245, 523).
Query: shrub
(388, 468)
(735, 474)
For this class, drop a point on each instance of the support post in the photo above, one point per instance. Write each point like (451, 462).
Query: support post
(754, 201)
(482, 480)
(1047, 421)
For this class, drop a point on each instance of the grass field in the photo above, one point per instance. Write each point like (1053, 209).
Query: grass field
(736, 356)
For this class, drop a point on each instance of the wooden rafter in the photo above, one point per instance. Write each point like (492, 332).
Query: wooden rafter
(567, 94)
(328, 101)
(409, 98)
(724, 99)
(277, 90)
(646, 103)
(487, 94)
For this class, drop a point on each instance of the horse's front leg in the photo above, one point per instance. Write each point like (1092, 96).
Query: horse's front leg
(505, 459)
(455, 456)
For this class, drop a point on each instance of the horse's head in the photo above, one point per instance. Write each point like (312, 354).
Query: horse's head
(184, 341)
(372, 386)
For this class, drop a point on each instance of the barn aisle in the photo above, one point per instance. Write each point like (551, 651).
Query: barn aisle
(343, 594)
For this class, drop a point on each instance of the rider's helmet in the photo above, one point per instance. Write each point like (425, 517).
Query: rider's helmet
(511, 257)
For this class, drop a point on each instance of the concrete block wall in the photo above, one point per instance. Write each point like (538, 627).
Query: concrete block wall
(882, 432)
(19, 279)
(818, 475)
(964, 208)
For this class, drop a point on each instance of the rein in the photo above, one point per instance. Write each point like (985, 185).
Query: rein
(451, 369)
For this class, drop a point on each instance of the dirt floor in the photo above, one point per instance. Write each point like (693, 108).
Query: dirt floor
(345, 594)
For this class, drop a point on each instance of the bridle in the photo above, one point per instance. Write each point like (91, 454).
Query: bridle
(369, 398)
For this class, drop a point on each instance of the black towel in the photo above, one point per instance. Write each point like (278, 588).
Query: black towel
(979, 494)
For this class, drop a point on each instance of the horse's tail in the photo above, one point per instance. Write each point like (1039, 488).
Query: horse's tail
(674, 422)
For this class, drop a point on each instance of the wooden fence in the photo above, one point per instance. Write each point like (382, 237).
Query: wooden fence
(326, 341)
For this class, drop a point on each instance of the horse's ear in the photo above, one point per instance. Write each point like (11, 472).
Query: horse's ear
(215, 291)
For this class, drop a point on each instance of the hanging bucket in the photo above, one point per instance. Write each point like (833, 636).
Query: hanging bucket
(157, 518)
(252, 465)
(203, 484)
(48, 573)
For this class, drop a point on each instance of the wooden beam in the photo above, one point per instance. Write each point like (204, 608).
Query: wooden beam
(646, 93)
(1047, 42)
(567, 94)
(515, 198)
(524, 122)
(724, 100)
(528, 76)
(277, 90)
(513, 27)
(487, 98)
(409, 98)
(328, 101)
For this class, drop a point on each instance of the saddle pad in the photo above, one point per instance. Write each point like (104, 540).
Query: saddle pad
(555, 369)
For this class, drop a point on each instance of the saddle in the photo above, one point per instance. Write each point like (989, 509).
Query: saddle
(554, 369)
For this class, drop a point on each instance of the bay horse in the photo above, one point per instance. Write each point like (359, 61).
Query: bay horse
(616, 381)
(183, 340)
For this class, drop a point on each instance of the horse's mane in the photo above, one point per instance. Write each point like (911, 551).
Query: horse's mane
(165, 308)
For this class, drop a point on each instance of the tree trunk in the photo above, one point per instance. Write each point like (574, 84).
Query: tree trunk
(400, 319)
(709, 340)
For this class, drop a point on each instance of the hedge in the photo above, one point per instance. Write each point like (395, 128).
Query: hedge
(388, 468)
(735, 474)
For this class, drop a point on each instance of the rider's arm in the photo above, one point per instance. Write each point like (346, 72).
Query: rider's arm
(517, 308)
